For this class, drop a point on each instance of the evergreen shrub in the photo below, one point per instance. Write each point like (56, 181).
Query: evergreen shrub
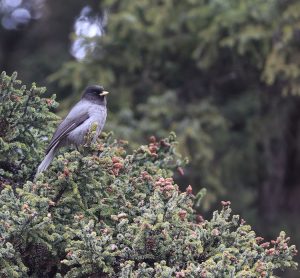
(102, 212)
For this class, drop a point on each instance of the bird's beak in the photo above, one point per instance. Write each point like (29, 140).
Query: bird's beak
(104, 93)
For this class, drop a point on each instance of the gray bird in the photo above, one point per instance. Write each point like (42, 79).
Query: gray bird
(90, 109)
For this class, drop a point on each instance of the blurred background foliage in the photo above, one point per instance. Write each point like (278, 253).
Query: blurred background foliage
(223, 74)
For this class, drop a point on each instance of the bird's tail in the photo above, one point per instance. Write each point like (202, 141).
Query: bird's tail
(46, 161)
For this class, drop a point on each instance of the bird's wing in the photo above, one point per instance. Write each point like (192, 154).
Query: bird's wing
(66, 126)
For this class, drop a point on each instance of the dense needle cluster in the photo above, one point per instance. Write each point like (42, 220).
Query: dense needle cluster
(104, 212)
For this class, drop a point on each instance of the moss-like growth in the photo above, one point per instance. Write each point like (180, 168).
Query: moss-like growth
(101, 212)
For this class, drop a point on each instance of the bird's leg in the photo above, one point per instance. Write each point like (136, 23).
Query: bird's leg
(98, 130)
(95, 139)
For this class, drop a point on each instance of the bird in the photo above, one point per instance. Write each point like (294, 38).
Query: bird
(91, 108)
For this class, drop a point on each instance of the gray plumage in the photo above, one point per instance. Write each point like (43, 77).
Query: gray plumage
(72, 130)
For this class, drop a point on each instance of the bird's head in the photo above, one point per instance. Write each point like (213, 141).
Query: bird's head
(95, 94)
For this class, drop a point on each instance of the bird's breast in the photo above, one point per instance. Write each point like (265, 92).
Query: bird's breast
(97, 114)
(97, 111)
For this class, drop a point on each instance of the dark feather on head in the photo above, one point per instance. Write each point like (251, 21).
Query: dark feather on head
(93, 93)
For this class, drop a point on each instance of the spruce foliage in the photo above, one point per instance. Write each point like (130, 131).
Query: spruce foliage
(104, 212)
(224, 75)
